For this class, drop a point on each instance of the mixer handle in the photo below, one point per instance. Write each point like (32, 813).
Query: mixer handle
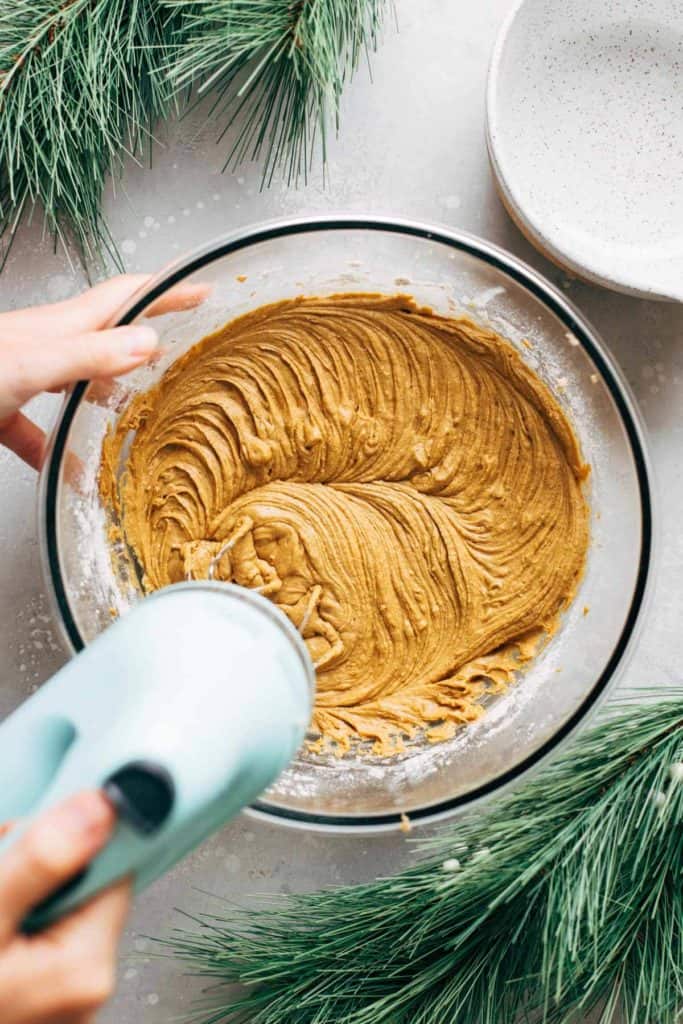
(128, 716)
(142, 793)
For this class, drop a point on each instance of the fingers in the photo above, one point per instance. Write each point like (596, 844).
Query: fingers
(98, 305)
(182, 296)
(49, 853)
(83, 949)
(64, 974)
(49, 347)
(105, 353)
(103, 301)
(88, 311)
(39, 364)
(93, 931)
(24, 438)
(95, 308)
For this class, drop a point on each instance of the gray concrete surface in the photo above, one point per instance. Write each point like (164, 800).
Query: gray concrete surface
(412, 144)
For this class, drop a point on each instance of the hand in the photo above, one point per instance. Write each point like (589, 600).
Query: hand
(48, 347)
(63, 974)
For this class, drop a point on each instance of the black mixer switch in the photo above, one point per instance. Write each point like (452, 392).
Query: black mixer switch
(142, 793)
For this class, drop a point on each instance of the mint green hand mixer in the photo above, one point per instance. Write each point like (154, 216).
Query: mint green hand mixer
(183, 712)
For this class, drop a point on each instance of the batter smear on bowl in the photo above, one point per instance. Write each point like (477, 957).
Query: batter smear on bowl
(400, 484)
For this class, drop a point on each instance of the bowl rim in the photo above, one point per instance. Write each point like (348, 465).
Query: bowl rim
(569, 316)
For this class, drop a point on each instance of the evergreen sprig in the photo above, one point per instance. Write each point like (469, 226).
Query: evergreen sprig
(566, 895)
(277, 67)
(83, 82)
(79, 89)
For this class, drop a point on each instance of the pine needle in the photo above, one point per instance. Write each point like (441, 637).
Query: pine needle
(568, 895)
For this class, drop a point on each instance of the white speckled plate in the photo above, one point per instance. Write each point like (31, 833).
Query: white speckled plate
(585, 134)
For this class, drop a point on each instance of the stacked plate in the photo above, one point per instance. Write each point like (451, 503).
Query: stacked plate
(585, 135)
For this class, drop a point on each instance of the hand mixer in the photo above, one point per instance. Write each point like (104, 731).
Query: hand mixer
(182, 712)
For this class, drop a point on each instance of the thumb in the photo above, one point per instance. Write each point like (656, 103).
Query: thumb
(42, 364)
(49, 853)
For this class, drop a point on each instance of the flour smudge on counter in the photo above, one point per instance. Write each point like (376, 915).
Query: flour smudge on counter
(400, 484)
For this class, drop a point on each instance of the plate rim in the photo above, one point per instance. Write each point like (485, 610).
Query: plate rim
(545, 243)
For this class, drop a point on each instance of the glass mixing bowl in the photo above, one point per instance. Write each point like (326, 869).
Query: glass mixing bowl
(453, 273)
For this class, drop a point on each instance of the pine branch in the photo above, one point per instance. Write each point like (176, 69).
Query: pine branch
(566, 895)
(79, 89)
(82, 83)
(278, 67)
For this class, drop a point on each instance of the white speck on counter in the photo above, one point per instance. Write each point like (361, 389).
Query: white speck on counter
(152, 999)
(452, 202)
(170, 219)
(199, 204)
(130, 974)
(232, 862)
(148, 221)
(140, 945)
(187, 211)
(142, 234)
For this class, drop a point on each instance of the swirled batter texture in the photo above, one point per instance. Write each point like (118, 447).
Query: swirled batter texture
(401, 484)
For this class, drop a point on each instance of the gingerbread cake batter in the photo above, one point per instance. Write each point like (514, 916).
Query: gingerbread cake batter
(400, 484)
